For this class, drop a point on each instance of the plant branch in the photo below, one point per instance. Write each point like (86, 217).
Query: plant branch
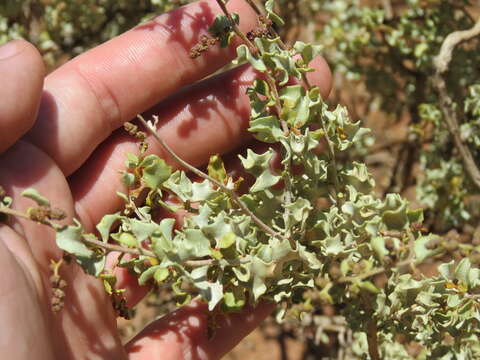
(121, 249)
(235, 28)
(442, 62)
(233, 195)
(373, 272)
(278, 108)
(271, 83)
(7, 210)
(372, 338)
(387, 7)
(145, 252)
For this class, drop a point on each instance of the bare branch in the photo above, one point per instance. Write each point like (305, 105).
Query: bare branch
(442, 62)
(387, 7)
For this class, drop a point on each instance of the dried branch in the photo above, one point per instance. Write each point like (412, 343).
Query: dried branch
(442, 62)
(387, 7)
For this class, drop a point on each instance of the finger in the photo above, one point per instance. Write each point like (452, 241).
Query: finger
(19, 308)
(24, 166)
(213, 120)
(92, 95)
(184, 334)
(22, 71)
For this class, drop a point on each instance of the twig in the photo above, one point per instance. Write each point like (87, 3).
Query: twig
(372, 339)
(233, 195)
(378, 271)
(387, 7)
(7, 210)
(145, 252)
(442, 62)
(254, 7)
(122, 249)
(235, 28)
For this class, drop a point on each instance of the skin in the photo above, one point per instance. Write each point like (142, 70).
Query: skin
(58, 134)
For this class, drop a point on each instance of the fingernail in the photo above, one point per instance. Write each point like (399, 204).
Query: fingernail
(8, 50)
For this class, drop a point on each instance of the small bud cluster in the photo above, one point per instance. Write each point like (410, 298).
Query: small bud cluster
(138, 134)
(58, 285)
(43, 214)
(133, 131)
(119, 304)
(117, 296)
(261, 31)
(203, 45)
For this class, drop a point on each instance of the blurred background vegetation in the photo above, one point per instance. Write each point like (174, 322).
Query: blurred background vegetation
(382, 55)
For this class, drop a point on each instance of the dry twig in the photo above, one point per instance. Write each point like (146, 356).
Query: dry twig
(442, 62)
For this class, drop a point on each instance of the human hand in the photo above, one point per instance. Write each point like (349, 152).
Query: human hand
(71, 152)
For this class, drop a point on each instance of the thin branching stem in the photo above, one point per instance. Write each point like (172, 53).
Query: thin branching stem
(235, 28)
(442, 62)
(7, 210)
(233, 195)
(373, 272)
(145, 252)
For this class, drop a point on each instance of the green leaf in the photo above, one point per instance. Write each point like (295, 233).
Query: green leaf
(222, 25)
(299, 211)
(202, 191)
(104, 226)
(155, 171)
(157, 273)
(128, 179)
(142, 229)
(192, 244)
(212, 292)
(378, 246)
(147, 275)
(259, 166)
(243, 54)
(132, 161)
(308, 51)
(242, 272)
(368, 286)
(226, 241)
(395, 213)
(421, 249)
(180, 185)
(462, 270)
(161, 274)
(34, 195)
(333, 245)
(216, 169)
(266, 129)
(233, 300)
(126, 239)
(296, 105)
(70, 239)
(271, 15)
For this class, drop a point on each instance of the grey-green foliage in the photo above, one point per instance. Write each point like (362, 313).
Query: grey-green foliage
(393, 54)
(309, 230)
(64, 28)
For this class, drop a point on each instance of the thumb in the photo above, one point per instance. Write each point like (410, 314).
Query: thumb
(21, 73)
